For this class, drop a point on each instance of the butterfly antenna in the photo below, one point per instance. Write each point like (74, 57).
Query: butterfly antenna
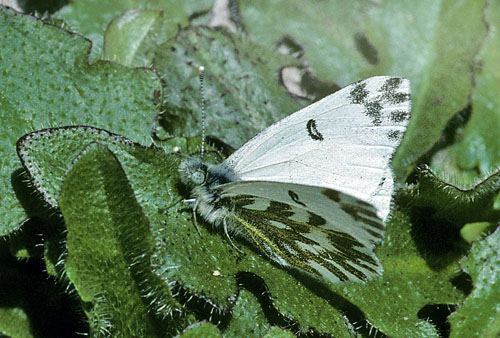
(201, 72)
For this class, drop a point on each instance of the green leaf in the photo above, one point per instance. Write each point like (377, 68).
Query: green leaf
(474, 152)
(109, 245)
(90, 17)
(201, 329)
(479, 315)
(248, 317)
(474, 231)
(14, 323)
(479, 147)
(48, 155)
(456, 205)
(46, 81)
(277, 332)
(325, 30)
(132, 33)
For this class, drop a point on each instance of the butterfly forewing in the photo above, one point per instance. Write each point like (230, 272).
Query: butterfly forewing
(318, 230)
(343, 142)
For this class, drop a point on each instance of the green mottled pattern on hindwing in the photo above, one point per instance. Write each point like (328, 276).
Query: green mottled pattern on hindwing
(300, 244)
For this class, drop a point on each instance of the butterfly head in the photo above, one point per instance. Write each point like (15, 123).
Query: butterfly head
(193, 172)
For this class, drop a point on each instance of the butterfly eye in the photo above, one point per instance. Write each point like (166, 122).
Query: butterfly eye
(198, 177)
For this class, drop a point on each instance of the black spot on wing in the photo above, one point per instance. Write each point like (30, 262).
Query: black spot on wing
(238, 201)
(332, 195)
(382, 181)
(398, 98)
(374, 233)
(391, 84)
(315, 219)
(360, 215)
(297, 227)
(374, 111)
(359, 93)
(389, 91)
(355, 210)
(388, 95)
(394, 135)
(293, 195)
(363, 203)
(398, 116)
(313, 131)
(280, 209)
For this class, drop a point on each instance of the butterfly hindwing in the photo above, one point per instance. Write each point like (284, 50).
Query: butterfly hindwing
(318, 230)
(343, 142)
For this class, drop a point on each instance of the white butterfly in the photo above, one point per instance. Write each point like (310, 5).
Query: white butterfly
(313, 190)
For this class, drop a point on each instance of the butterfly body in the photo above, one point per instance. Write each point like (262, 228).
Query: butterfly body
(203, 179)
(313, 190)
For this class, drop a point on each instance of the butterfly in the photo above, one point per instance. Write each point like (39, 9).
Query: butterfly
(313, 190)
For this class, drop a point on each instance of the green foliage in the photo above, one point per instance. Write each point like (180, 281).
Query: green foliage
(131, 33)
(451, 203)
(479, 315)
(46, 81)
(202, 329)
(248, 317)
(277, 332)
(13, 322)
(109, 246)
(92, 17)
(477, 149)
(241, 90)
(100, 207)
